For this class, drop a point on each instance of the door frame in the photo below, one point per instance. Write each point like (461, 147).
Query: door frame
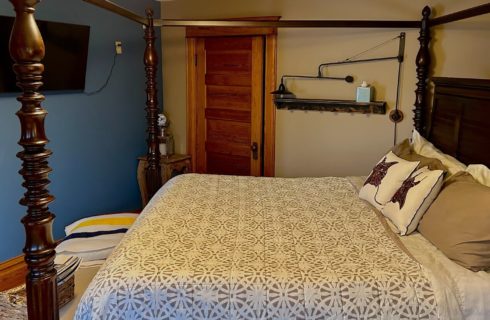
(270, 71)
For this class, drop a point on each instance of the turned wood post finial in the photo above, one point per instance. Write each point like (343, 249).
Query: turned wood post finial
(422, 62)
(153, 176)
(27, 50)
(149, 13)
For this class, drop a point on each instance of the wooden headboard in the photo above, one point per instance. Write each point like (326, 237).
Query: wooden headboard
(459, 123)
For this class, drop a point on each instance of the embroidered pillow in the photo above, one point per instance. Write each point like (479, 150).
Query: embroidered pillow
(413, 198)
(385, 178)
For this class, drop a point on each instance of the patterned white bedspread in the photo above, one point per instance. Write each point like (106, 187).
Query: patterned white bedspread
(221, 247)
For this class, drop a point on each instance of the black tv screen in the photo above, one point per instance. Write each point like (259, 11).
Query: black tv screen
(65, 63)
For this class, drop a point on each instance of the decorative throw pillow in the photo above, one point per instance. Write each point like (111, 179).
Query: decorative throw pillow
(102, 222)
(405, 151)
(458, 222)
(88, 255)
(423, 147)
(411, 200)
(385, 178)
(91, 245)
(94, 238)
(480, 172)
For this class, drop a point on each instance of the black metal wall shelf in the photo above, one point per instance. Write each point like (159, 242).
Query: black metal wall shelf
(349, 106)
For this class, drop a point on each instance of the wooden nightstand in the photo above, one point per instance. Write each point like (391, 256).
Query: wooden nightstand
(170, 166)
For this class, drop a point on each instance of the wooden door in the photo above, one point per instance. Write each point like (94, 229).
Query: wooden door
(229, 115)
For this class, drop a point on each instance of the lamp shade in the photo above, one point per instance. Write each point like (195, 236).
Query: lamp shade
(283, 93)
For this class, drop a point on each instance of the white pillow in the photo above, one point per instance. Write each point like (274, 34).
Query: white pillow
(413, 198)
(91, 245)
(480, 172)
(385, 178)
(423, 147)
(91, 256)
(94, 238)
(89, 241)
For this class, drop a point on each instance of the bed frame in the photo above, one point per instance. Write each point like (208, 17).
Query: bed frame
(458, 123)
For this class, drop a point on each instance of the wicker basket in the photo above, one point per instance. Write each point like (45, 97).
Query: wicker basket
(66, 291)
(13, 303)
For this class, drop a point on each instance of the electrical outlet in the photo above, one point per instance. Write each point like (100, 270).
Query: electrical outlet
(118, 47)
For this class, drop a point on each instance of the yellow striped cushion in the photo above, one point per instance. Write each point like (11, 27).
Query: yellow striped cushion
(102, 222)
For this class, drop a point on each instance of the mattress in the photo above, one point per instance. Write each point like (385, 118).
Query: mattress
(460, 293)
(222, 247)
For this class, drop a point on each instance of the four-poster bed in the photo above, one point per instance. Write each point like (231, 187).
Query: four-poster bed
(27, 51)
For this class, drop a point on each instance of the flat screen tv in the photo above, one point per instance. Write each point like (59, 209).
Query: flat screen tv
(65, 63)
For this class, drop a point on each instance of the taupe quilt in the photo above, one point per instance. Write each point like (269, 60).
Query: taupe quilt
(221, 247)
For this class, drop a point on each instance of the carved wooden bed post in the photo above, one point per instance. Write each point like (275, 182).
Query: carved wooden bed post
(27, 51)
(423, 62)
(153, 177)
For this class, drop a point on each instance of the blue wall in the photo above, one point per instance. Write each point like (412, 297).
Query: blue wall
(95, 139)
